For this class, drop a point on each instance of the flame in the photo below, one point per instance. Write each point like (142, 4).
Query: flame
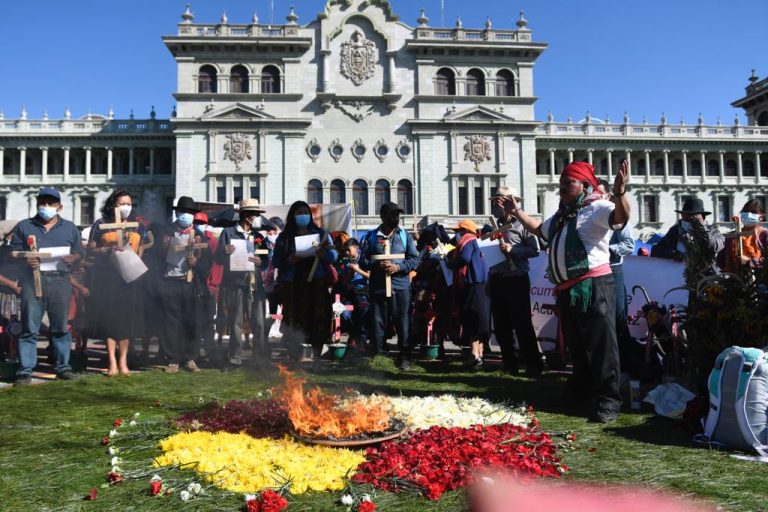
(318, 414)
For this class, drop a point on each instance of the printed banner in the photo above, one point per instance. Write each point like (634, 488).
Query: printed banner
(657, 276)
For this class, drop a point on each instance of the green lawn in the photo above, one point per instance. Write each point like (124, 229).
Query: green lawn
(50, 454)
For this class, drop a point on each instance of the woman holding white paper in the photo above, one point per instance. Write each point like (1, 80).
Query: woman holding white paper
(115, 308)
(304, 284)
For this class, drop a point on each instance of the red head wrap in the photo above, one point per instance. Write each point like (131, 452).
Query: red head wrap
(581, 171)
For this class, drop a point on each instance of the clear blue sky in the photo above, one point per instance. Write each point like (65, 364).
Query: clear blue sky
(607, 56)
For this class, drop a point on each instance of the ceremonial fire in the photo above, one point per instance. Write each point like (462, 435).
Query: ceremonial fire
(317, 414)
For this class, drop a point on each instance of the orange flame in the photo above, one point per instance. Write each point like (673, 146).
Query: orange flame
(318, 414)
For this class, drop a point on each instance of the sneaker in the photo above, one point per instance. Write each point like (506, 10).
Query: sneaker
(23, 380)
(404, 365)
(68, 375)
(606, 416)
(172, 368)
(191, 366)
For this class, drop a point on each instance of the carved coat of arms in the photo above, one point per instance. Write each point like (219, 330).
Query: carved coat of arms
(358, 58)
(237, 148)
(477, 150)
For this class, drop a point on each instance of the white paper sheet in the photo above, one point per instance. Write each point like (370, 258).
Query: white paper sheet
(304, 245)
(176, 257)
(54, 263)
(238, 260)
(491, 252)
(128, 264)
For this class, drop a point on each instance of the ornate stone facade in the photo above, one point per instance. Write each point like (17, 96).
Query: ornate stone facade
(357, 106)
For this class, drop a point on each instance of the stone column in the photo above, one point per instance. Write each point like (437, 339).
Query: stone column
(757, 166)
(703, 156)
(324, 70)
(552, 165)
(739, 168)
(470, 196)
(628, 158)
(570, 155)
(647, 165)
(130, 161)
(109, 163)
(152, 162)
(391, 70)
(721, 162)
(589, 156)
(44, 166)
(685, 165)
(609, 157)
(87, 164)
(66, 163)
(666, 165)
(22, 163)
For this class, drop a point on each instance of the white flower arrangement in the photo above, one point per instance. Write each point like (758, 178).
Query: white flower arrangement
(184, 495)
(347, 500)
(451, 411)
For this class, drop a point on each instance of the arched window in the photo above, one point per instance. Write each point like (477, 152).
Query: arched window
(505, 83)
(206, 79)
(405, 196)
(695, 169)
(360, 197)
(658, 167)
(762, 119)
(730, 168)
(677, 167)
(748, 168)
(270, 80)
(475, 83)
(238, 79)
(445, 83)
(315, 192)
(338, 192)
(382, 193)
(712, 168)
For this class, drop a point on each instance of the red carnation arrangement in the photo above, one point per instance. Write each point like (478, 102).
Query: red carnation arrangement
(118, 423)
(267, 501)
(442, 459)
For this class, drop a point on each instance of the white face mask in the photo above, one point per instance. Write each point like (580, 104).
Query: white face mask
(750, 220)
(256, 222)
(125, 210)
(272, 238)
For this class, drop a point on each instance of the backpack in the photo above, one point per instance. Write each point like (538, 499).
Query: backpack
(738, 401)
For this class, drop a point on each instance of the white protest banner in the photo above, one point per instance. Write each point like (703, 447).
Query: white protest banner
(657, 276)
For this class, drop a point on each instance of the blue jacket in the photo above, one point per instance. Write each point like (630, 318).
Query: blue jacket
(373, 243)
(284, 248)
(472, 257)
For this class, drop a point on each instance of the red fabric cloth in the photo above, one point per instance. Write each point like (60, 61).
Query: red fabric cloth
(581, 171)
(460, 274)
(602, 270)
(217, 269)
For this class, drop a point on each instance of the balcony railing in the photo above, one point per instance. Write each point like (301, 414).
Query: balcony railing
(80, 126)
(218, 30)
(661, 131)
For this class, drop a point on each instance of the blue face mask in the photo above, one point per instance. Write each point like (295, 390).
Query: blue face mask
(302, 220)
(185, 219)
(750, 220)
(46, 212)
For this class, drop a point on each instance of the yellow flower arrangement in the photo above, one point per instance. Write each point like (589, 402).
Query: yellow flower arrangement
(241, 463)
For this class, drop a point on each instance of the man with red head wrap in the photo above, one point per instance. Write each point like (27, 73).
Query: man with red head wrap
(578, 236)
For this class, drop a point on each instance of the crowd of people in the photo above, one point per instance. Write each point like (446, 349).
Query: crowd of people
(207, 293)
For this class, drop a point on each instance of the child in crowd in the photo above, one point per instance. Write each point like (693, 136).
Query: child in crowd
(353, 288)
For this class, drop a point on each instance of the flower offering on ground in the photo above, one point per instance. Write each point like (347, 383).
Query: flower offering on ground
(259, 418)
(452, 411)
(441, 459)
(240, 463)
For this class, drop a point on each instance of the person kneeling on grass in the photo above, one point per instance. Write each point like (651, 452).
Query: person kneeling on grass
(578, 237)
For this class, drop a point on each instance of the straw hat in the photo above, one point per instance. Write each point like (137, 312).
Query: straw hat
(506, 192)
(250, 205)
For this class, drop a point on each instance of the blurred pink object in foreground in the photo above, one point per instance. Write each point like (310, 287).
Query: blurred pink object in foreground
(504, 494)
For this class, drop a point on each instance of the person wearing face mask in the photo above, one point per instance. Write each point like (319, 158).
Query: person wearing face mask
(395, 308)
(180, 297)
(49, 230)
(578, 237)
(269, 276)
(117, 325)
(672, 246)
(306, 302)
(754, 240)
(510, 290)
(243, 292)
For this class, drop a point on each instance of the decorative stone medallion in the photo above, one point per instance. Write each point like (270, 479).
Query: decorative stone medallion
(313, 150)
(358, 58)
(359, 149)
(477, 150)
(381, 150)
(237, 149)
(403, 150)
(336, 150)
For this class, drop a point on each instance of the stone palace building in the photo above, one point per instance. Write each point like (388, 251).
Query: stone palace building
(358, 106)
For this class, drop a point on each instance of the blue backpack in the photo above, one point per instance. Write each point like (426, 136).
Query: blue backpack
(738, 401)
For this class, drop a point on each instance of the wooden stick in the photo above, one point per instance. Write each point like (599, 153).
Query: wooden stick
(740, 246)
(388, 278)
(119, 225)
(33, 248)
(312, 271)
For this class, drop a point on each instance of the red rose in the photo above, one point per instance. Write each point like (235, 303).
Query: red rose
(272, 502)
(156, 487)
(253, 506)
(366, 506)
(113, 477)
(105, 440)
(91, 494)
(118, 423)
